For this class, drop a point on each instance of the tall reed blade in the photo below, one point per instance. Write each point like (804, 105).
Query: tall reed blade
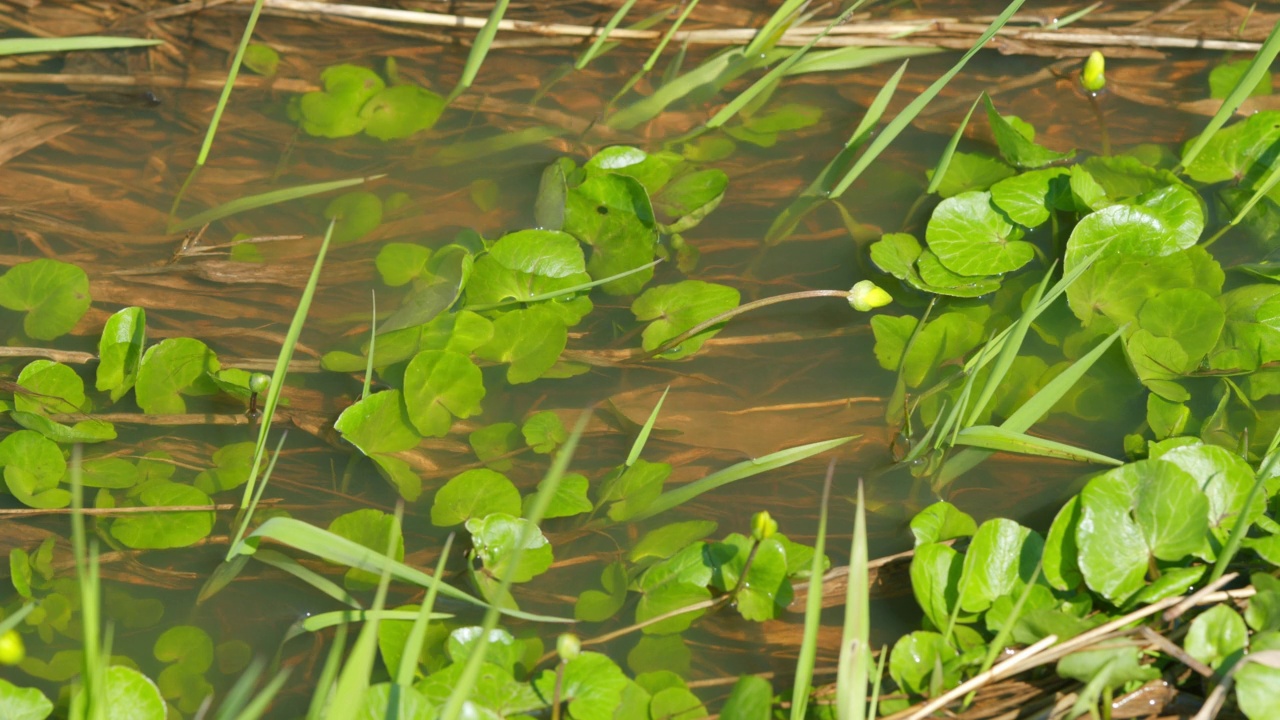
(22, 46)
(812, 607)
(909, 113)
(944, 162)
(775, 26)
(855, 641)
(479, 49)
(593, 51)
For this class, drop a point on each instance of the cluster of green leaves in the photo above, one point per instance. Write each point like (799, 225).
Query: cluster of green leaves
(1149, 530)
(356, 99)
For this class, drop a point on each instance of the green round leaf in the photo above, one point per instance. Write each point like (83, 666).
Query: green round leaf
(157, 530)
(496, 537)
(530, 340)
(1215, 635)
(53, 294)
(543, 432)
(438, 386)
(371, 528)
(171, 369)
(1030, 197)
(120, 351)
(399, 263)
(612, 214)
(1157, 223)
(914, 657)
(378, 424)
(51, 388)
(18, 703)
(185, 645)
(130, 695)
(261, 59)
(676, 308)
(356, 214)
(474, 494)
(400, 111)
(335, 112)
(971, 237)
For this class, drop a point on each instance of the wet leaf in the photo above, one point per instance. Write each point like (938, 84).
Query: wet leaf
(569, 499)
(52, 388)
(663, 542)
(631, 490)
(900, 255)
(1115, 287)
(1119, 664)
(991, 563)
(941, 521)
(1157, 223)
(1225, 479)
(185, 645)
(492, 444)
(110, 472)
(447, 271)
(1216, 635)
(1224, 78)
(914, 658)
(1061, 553)
(474, 494)
(501, 648)
(530, 340)
(399, 112)
(591, 683)
(673, 309)
(971, 237)
(1029, 198)
(543, 432)
(355, 214)
(1015, 146)
(529, 263)
(371, 528)
(750, 699)
(495, 537)
(399, 263)
(33, 467)
(652, 170)
(440, 385)
(766, 589)
(171, 369)
(335, 112)
(261, 59)
(598, 606)
(378, 424)
(612, 214)
(158, 530)
(946, 337)
(19, 703)
(130, 695)
(1251, 335)
(969, 172)
(120, 350)
(54, 295)
(1238, 151)
(690, 198)
(1258, 684)
(231, 466)
(935, 581)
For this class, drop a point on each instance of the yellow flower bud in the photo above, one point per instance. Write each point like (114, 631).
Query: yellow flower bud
(568, 647)
(866, 295)
(1091, 77)
(763, 526)
(12, 651)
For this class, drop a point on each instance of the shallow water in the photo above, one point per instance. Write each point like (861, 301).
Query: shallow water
(98, 192)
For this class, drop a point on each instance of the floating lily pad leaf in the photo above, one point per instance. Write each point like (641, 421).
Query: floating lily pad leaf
(400, 474)
(448, 270)
(33, 468)
(171, 369)
(1258, 684)
(612, 214)
(676, 308)
(158, 530)
(969, 172)
(941, 521)
(185, 645)
(501, 649)
(530, 340)
(120, 350)
(1061, 553)
(130, 695)
(763, 129)
(591, 683)
(1224, 477)
(493, 443)
(1029, 198)
(231, 466)
(335, 112)
(440, 385)
(110, 472)
(1015, 147)
(766, 590)
(261, 59)
(750, 699)
(946, 337)
(19, 703)
(1166, 419)
(1123, 176)
(50, 387)
(371, 528)
(937, 279)
(399, 263)
(991, 563)
(529, 263)
(935, 581)
(1251, 335)
(408, 701)
(400, 111)
(1224, 78)
(632, 489)
(1176, 329)
(598, 606)
(496, 536)
(378, 424)
(570, 498)
(1115, 287)
(1172, 512)
(544, 432)
(1161, 222)
(915, 657)
(32, 491)
(460, 332)
(971, 237)
(1238, 151)
(677, 703)
(896, 254)
(85, 431)
(675, 583)
(553, 188)
(355, 214)
(690, 198)
(663, 542)
(652, 170)
(474, 494)
(496, 694)
(1216, 635)
(547, 253)
(53, 294)
(1086, 193)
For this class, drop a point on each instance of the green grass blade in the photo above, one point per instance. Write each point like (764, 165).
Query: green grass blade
(775, 26)
(855, 640)
(944, 162)
(1257, 68)
(564, 291)
(453, 708)
(1009, 347)
(324, 621)
(1265, 187)
(328, 674)
(812, 607)
(909, 113)
(1065, 20)
(1031, 411)
(643, 437)
(21, 46)
(373, 344)
(274, 391)
(990, 437)
(283, 562)
(854, 58)
(262, 701)
(337, 549)
(657, 52)
(645, 109)
(733, 473)
(479, 49)
(593, 51)
(93, 691)
(418, 633)
(266, 199)
(730, 110)
(16, 617)
(475, 149)
(353, 680)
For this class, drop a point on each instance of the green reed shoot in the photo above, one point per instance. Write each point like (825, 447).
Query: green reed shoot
(1257, 68)
(328, 674)
(272, 197)
(453, 708)
(944, 162)
(812, 607)
(479, 49)
(282, 369)
(598, 45)
(909, 113)
(239, 706)
(1008, 352)
(223, 99)
(22, 46)
(775, 26)
(373, 344)
(89, 700)
(855, 640)
(657, 52)
(418, 633)
(643, 436)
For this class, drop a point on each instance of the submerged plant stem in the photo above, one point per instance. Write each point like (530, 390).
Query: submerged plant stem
(1102, 123)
